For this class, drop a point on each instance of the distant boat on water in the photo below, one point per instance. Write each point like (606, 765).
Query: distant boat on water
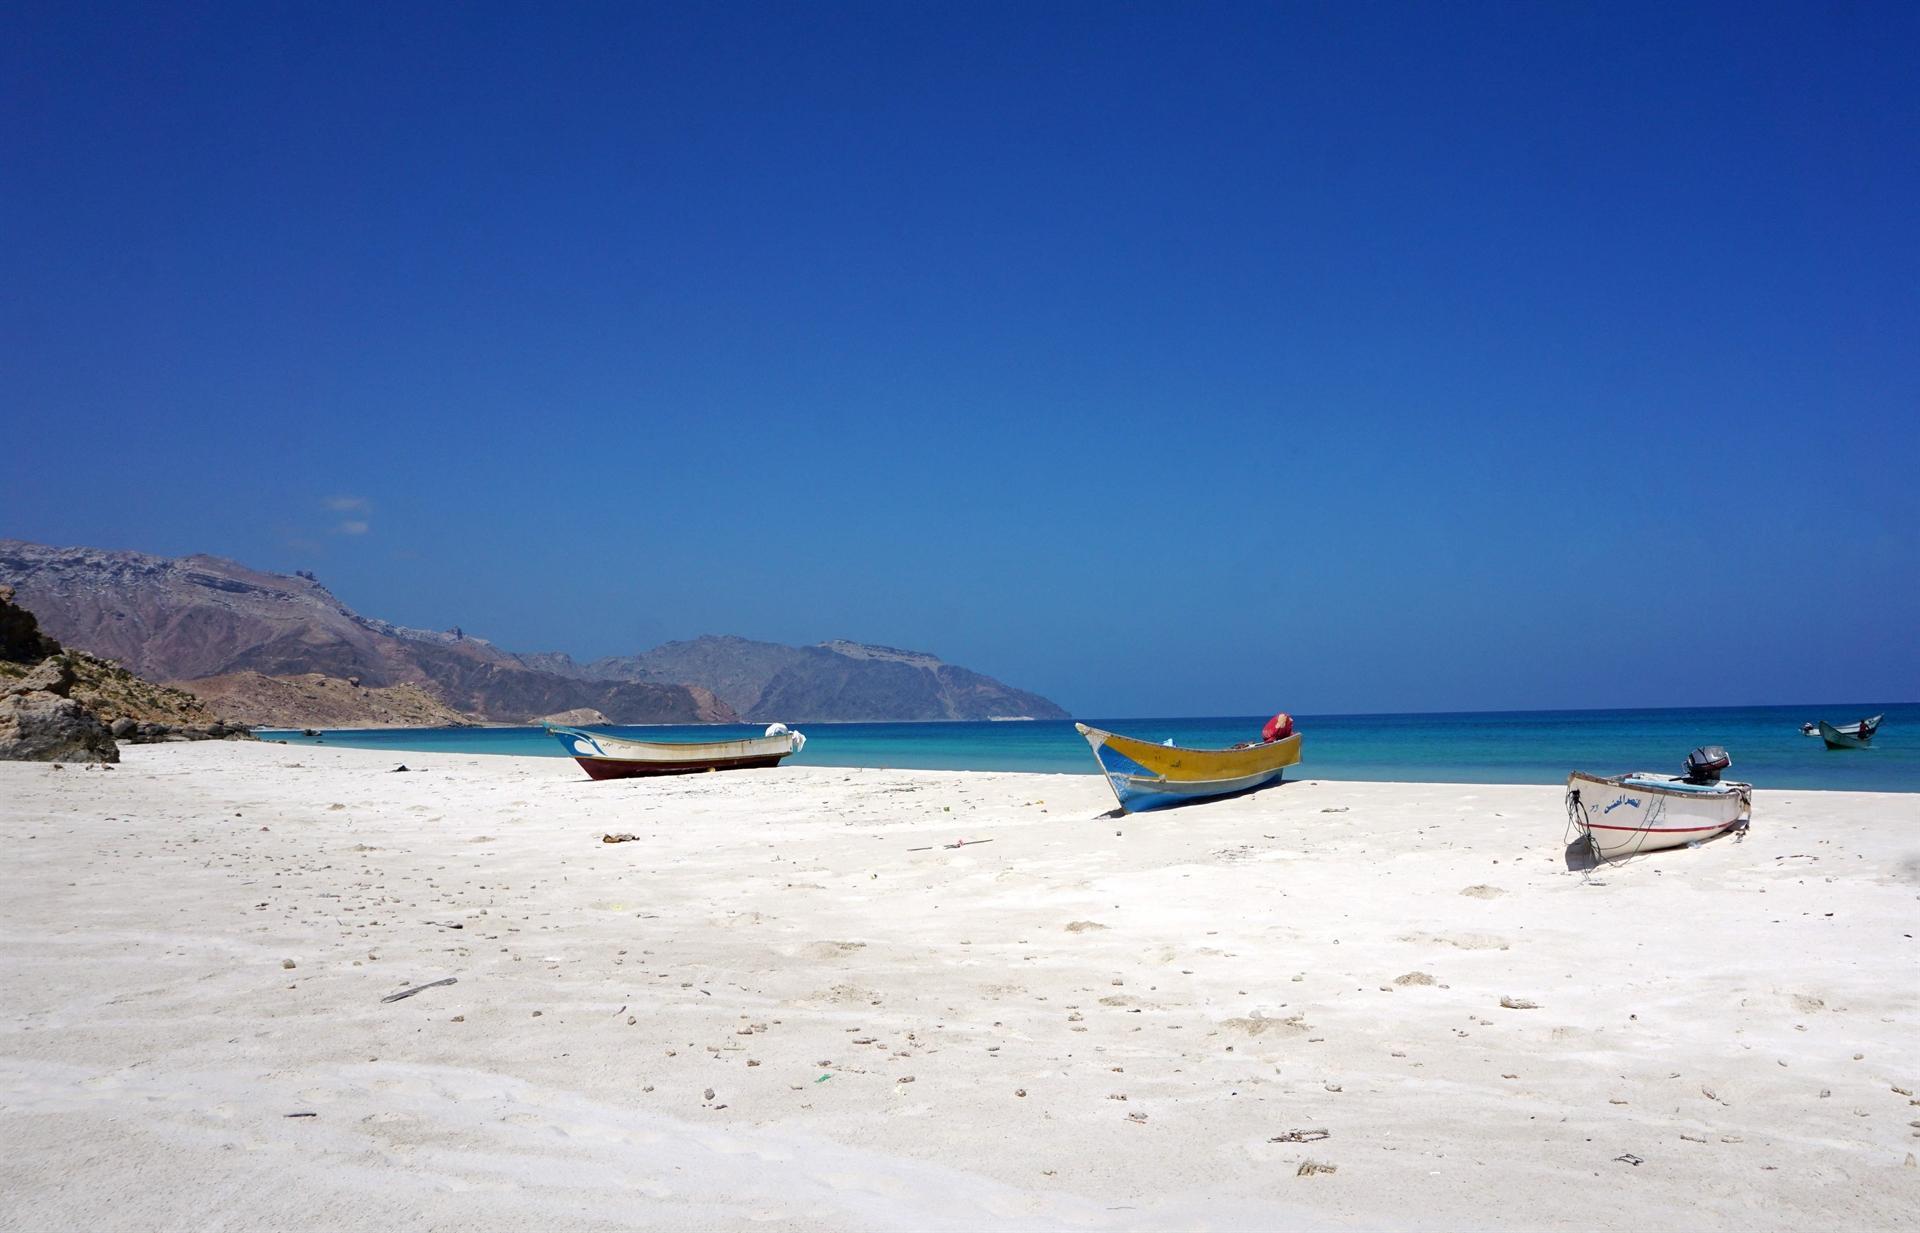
(1148, 776)
(613, 757)
(1622, 815)
(1844, 736)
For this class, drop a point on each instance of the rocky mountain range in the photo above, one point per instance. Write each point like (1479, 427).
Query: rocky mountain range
(836, 680)
(187, 619)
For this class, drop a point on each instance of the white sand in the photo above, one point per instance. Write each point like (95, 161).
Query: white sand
(1739, 1015)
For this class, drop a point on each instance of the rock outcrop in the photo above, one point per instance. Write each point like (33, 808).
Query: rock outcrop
(52, 675)
(113, 693)
(575, 718)
(37, 726)
(105, 696)
(74, 707)
(38, 721)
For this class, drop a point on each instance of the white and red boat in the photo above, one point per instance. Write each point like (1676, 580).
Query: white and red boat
(615, 757)
(1622, 815)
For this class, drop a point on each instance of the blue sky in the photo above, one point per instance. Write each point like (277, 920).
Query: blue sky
(1165, 359)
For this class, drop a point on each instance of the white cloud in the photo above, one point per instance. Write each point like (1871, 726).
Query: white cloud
(358, 511)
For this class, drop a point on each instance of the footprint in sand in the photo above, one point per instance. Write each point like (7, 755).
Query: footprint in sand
(1465, 941)
(828, 950)
(1257, 1025)
(839, 995)
(1483, 892)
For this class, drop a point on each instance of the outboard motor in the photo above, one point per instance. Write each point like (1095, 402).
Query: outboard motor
(1705, 764)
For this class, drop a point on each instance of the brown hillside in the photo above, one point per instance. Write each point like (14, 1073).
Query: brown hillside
(311, 700)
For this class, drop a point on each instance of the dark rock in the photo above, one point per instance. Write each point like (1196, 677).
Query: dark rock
(44, 727)
(21, 641)
(124, 727)
(151, 733)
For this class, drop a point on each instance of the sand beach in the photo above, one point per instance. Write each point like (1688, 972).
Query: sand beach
(789, 1003)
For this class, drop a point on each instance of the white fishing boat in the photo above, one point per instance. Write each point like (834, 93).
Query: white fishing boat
(612, 757)
(1623, 815)
(1862, 731)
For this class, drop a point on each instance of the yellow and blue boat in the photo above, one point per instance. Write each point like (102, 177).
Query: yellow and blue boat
(1148, 776)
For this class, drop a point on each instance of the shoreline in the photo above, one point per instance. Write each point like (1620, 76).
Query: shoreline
(988, 1019)
(1767, 746)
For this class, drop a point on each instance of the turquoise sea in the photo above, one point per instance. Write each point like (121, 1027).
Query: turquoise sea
(1486, 747)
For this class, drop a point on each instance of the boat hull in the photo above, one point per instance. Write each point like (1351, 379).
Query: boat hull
(610, 757)
(1146, 776)
(1623, 815)
(616, 768)
(1837, 738)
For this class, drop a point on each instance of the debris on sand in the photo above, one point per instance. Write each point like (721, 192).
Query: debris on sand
(1519, 1004)
(1413, 978)
(1310, 1167)
(1483, 891)
(1301, 1136)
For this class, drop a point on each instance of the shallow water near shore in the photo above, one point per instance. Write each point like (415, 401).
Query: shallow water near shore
(1522, 747)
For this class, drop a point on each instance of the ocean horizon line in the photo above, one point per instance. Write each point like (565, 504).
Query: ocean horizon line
(1841, 708)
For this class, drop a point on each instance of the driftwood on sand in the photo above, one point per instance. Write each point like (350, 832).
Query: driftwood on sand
(432, 984)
